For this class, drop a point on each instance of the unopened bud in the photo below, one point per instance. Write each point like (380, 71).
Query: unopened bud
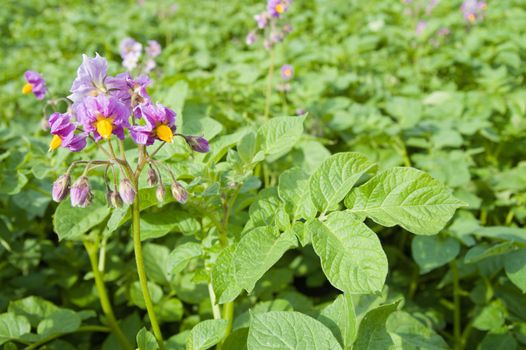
(81, 195)
(114, 199)
(61, 188)
(160, 193)
(179, 193)
(126, 191)
(152, 178)
(198, 143)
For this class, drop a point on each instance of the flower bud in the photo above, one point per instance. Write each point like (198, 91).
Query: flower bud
(179, 192)
(152, 178)
(126, 191)
(160, 193)
(114, 199)
(81, 195)
(61, 188)
(198, 143)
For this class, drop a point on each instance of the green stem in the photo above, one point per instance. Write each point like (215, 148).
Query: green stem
(269, 83)
(228, 315)
(58, 335)
(143, 280)
(215, 308)
(456, 302)
(91, 248)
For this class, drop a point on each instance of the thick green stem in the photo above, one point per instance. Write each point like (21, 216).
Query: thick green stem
(228, 315)
(91, 248)
(268, 93)
(456, 311)
(142, 272)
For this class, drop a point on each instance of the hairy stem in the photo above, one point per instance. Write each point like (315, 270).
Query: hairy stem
(92, 248)
(143, 280)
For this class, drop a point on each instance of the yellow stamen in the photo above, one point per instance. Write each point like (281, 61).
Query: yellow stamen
(280, 8)
(471, 18)
(27, 88)
(104, 127)
(287, 72)
(55, 143)
(164, 133)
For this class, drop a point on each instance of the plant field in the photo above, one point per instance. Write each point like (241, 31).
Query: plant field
(281, 174)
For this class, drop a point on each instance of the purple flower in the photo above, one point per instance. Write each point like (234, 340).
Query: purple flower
(126, 191)
(149, 65)
(198, 143)
(81, 195)
(130, 52)
(277, 7)
(159, 124)
(287, 28)
(287, 72)
(420, 27)
(300, 111)
(277, 37)
(103, 116)
(251, 38)
(131, 92)
(444, 31)
(179, 193)
(262, 19)
(90, 80)
(153, 49)
(160, 193)
(63, 131)
(151, 178)
(61, 188)
(473, 10)
(35, 84)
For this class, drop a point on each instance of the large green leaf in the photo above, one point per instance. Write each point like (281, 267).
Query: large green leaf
(34, 308)
(72, 223)
(351, 254)
(60, 321)
(286, 330)
(340, 318)
(331, 182)
(406, 197)
(280, 134)
(12, 327)
(407, 331)
(515, 266)
(293, 189)
(206, 334)
(372, 333)
(179, 258)
(431, 252)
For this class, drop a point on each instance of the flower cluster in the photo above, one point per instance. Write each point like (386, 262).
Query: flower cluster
(108, 107)
(131, 52)
(267, 22)
(473, 10)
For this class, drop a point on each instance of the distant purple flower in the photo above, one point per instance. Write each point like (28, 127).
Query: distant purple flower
(473, 10)
(300, 111)
(277, 7)
(198, 143)
(126, 191)
(35, 84)
(276, 37)
(63, 131)
(251, 38)
(153, 49)
(430, 6)
(159, 124)
(103, 116)
(149, 65)
(287, 28)
(287, 72)
(130, 52)
(261, 19)
(420, 28)
(444, 31)
(61, 188)
(81, 195)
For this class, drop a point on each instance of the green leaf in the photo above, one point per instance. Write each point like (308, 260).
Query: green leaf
(12, 327)
(237, 340)
(155, 257)
(515, 267)
(60, 321)
(485, 251)
(246, 148)
(293, 189)
(136, 295)
(289, 330)
(408, 330)
(34, 308)
(257, 251)
(331, 182)
(340, 318)
(406, 197)
(206, 334)
(158, 223)
(498, 342)
(372, 333)
(170, 310)
(278, 135)
(146, 340)
(73, 223)
(491, 317)
(179, 258)
(351, 255)
(431, 252)
(224, 280)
